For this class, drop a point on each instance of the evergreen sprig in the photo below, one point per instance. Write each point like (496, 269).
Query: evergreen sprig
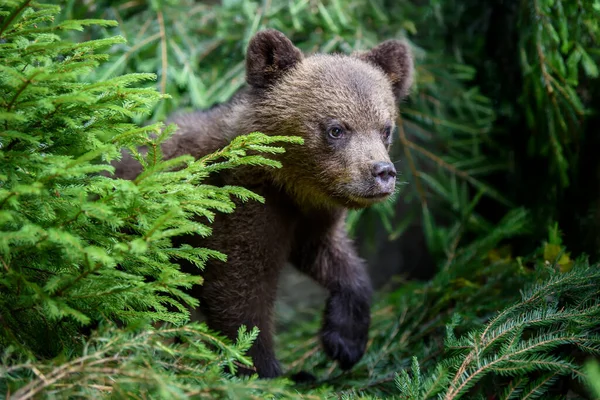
(519, 342)
(170, 362)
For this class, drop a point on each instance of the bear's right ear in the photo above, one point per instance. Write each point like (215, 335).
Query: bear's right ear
(270, 54)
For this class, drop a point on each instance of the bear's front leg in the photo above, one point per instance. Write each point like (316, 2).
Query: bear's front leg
(325, 253)
(345, 328)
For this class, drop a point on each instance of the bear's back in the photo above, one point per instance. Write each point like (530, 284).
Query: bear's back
(198, 134)
(205, 131)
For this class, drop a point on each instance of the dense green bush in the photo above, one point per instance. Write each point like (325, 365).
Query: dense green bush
(87, 266)
(79, 249)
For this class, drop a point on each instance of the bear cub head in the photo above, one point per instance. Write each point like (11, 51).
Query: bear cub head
(343, 106)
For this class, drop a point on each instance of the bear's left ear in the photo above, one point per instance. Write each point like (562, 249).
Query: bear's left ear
(395, 58)
(269, 56)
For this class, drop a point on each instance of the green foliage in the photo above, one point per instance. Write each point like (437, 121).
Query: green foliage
(519, 340)
(555, 54)
(117, 363)
(537, 60)
(79, 248)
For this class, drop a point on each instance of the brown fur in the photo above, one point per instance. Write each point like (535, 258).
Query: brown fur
(303, 218)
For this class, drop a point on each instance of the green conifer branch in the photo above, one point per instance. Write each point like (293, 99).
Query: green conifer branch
(78, 247)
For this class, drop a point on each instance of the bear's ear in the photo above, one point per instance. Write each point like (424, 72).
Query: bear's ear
(395, 58)
(270, 54)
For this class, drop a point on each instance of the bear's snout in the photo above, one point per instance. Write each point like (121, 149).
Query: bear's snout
(384, 173)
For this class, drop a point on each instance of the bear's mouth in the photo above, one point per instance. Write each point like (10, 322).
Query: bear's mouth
(367, 199)
(360, 195)
(374, 196)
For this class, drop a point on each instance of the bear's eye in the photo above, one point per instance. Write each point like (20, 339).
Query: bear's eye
(335, 132)
(387, 132)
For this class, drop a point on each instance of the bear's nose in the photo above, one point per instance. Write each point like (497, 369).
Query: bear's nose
(383, 170)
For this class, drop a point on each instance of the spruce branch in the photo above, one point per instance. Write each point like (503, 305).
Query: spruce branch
(77, 247)
(14, 14)
(519, 354)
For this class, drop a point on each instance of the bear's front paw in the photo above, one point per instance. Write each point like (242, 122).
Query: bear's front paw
(346, 328)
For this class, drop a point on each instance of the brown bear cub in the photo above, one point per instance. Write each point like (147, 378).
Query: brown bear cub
(344, 107)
